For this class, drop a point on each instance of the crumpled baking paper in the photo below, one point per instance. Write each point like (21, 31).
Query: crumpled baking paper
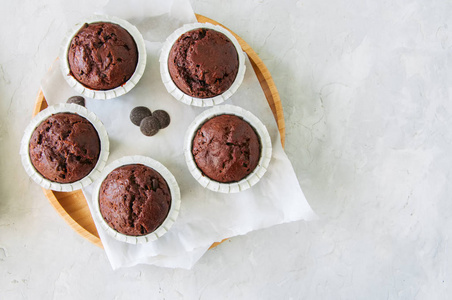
(205, 216)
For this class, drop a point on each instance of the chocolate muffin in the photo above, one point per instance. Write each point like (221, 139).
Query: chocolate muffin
(226, 148)
(134, 199)
(64, 148)
(203, 63)
(102, 56)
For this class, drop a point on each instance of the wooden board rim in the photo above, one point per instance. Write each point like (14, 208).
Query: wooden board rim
(74, 211)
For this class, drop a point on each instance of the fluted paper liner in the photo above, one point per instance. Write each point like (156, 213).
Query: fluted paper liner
(175, 199)
(171, 86)
(104, 94)
(42, 116)
(253, 177)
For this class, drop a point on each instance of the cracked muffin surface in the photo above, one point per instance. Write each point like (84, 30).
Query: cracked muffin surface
(64, 148)
(203, 63)
(134, 199)
(226, 148)
(102, 56)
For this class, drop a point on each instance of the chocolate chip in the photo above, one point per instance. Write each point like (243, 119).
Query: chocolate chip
(149, 126)
(138, 114)
(77, 100)
(155, 184)
(163, 117)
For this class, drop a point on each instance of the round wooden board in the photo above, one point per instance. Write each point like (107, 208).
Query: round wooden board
(72, 206)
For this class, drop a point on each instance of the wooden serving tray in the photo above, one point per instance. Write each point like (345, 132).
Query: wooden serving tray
(72, 206)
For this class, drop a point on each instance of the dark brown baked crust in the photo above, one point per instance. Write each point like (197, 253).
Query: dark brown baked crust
(226, 148)
(203, 63)
(134, 199)
(102, 56)
(64, 148)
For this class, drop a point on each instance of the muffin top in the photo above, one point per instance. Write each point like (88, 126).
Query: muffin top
(226, 148)
(64, 148)
(203, 63)
(134, 199)
(102, 56)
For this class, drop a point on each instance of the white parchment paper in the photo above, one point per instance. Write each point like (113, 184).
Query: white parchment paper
(205, 216)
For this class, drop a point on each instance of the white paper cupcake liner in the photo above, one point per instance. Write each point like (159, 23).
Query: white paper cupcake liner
(104, 94)
(171, 86)
(175, 199)
(253, 177)
(42, 116)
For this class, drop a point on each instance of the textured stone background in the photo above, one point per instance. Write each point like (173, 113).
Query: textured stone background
(365, 87)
